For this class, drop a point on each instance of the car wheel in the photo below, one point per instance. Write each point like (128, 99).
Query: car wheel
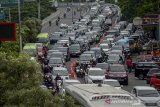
(141, 76)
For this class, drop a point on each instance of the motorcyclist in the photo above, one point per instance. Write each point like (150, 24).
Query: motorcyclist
(46, 69)
(57, 22)
(58, 18)
(58, 77)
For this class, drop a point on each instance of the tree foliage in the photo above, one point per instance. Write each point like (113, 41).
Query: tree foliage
(133, 8)
(20, 81)
(30, 9)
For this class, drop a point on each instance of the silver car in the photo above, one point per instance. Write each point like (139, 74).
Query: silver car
(148, 95)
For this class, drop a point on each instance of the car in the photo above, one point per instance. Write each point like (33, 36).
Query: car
(148, 95)
(113, 32)
(112, 82)
(66, 52)
(155, 81)
(150, 73)
(93, 54)
(104, 66)
(142, 68)
(55, 62)
(58, 54)
(106, 48)
(117, 47)
(100, 53)
(95, 75)
(114, 59)
(118, 72)
(49, 53)
(63, 72)
(75, 50)
(86, 59)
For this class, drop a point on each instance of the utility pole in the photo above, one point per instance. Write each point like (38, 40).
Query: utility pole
(80, 7)
(19, 30)
(39, 9)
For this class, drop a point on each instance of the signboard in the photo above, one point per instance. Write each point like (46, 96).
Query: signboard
(7, 31)
(151, 20)
(137, 21)
(10, 3)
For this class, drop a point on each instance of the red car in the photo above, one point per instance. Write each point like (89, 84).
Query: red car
(118, 72)
(155, 81)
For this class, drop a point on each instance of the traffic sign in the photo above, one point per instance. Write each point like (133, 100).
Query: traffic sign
(10, 3)
(137, 21)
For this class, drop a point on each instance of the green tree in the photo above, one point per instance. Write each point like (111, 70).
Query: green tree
(20, 81)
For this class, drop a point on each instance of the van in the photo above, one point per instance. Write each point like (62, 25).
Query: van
(102, 95)
(43, 38)
(31, 49)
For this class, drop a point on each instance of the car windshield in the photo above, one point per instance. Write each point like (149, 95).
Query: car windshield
(153, 71)
(117, 69)
(102, 65)
(97, 51)
(104, 46)
(58, 55)
(113, 57)
(112, 83)
(148, 93)
(62, 49)
(96, 73)
(85, 57)
(55, 61)
(76, 47)
(111, 33)
(116, 52)
(116, 48)
(61, 72)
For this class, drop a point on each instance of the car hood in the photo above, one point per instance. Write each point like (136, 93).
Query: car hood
(112, 61)
(96, 77)
(117, 74)
(149, 99)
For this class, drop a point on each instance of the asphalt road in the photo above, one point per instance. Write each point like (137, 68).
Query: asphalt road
(51, 29)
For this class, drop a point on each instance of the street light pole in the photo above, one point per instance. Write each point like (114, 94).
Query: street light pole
(39, 9)
(19, 30)
(80, 7)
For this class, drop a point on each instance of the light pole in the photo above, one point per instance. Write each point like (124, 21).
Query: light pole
(19, 30)
(39, 9)
(80, 7)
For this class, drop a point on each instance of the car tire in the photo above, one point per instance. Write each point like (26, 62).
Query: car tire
(141, 76)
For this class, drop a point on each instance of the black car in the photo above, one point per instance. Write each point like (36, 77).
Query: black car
(142, 68)
(75, 50)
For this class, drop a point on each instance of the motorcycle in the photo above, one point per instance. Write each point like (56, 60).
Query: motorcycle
(59, 88)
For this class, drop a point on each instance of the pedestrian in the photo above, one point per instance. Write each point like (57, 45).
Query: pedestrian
(129, 64)
(50, 23)
(56, 22)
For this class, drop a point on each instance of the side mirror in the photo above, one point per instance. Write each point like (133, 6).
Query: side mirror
(86, 74)
(121, 86)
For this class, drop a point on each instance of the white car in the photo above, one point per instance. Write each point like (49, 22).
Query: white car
(106, 48)
(95, 75)
(112, 82)
(148, 95)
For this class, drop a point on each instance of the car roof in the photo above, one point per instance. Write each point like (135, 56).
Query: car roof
(116, 65)
(84, 54)
(55, 58)
(59, 68)
(144, 88)
(88, 52)
(71, 80)
(75, 45)
(95, 68)
(110, 80)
